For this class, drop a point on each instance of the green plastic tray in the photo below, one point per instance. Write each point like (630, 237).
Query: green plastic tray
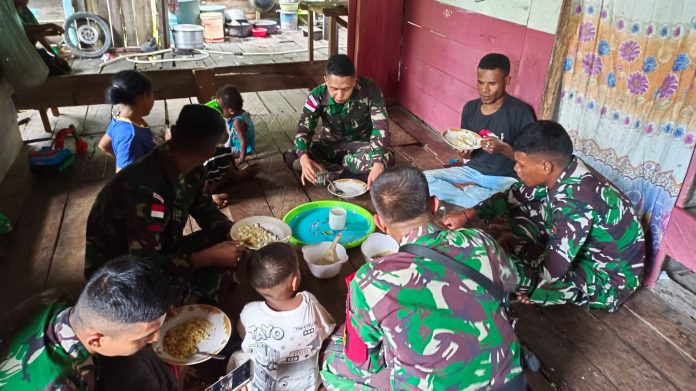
(309, 223)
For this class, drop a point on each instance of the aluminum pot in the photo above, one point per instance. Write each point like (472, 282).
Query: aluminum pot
(188, 36)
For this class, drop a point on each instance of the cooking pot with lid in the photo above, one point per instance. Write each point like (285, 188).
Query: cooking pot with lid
(188, 36)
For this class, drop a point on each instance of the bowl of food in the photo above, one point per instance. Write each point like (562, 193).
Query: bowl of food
(462, 139)
(191, 329)
(347, 188)
(319, 265)
(258, 231)
(378, 245)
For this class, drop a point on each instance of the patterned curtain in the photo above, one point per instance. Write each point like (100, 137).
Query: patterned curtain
(628, 97)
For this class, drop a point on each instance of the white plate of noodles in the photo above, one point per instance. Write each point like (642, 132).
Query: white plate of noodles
(191, 327)
(462, 139)
(258, 231)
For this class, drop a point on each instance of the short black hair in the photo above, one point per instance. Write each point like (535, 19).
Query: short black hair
(229, 98)
(198, 126)
(340, 65)
(545, 137)
(126, 86)
(400, 194)
(271, 265)
(123, 292)
(493, 61)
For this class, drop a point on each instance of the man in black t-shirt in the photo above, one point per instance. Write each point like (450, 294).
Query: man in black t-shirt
(491, 168)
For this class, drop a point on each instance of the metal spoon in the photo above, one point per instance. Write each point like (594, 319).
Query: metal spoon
(336, 189)
(211, 355)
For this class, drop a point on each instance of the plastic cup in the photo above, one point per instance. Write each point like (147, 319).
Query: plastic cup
(337, 218)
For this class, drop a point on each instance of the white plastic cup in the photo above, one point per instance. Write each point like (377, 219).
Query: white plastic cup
(337, 218)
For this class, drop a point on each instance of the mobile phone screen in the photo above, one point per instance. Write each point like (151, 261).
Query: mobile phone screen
(236, 378)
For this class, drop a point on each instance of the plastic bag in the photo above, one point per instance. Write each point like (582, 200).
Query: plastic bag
(20, 63)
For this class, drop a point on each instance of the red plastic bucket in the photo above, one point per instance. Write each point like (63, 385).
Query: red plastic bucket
(258, 31)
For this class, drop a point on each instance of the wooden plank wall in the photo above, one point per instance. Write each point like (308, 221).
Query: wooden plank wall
(132, 21)
(440, 52)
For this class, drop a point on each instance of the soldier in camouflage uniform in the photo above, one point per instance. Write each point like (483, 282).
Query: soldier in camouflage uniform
(143, 211)
(575, 238)
(119, 312)
(355, 133)
(420, 324)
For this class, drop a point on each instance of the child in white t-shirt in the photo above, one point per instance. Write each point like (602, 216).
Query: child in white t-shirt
(285, 332)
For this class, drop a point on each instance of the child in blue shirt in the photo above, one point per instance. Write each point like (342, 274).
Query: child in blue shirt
(242, 134)
(128, 136)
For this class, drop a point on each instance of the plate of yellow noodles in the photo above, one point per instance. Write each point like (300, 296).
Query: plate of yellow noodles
(191, 329)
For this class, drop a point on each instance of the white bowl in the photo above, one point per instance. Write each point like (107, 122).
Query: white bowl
(313, 252)
(275, 226)
(376, 244)
(219, 335)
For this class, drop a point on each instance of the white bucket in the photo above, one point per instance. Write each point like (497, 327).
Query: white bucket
(214, 26)
(288, 20)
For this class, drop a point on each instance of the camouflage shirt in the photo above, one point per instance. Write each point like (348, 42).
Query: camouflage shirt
(429, 328)
(363, 117)
(143, 210)
(46, 355)
(587, 226)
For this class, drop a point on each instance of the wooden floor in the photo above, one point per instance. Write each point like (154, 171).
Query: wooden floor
(647, 345)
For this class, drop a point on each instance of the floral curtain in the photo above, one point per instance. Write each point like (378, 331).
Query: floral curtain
(628, 97)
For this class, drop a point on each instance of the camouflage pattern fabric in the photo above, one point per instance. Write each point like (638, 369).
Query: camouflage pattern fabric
(424, 326)
(362, 118)
(354, 156)
(580, 240)
(46, 355)
(143, 210)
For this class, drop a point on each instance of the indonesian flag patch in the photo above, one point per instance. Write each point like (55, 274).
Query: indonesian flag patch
(157, 211)
(311, 104)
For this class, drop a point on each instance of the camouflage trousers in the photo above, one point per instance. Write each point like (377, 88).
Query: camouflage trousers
(339, 373)
(208, 283)
(353, 156)
(583, 285)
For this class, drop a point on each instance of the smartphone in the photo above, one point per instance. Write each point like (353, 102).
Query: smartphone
(234, 380)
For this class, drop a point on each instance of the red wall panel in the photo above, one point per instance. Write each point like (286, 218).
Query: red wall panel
(440, 51)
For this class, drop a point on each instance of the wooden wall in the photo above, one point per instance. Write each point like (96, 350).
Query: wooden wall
(375, 26)
(132, 22)
(442, 44)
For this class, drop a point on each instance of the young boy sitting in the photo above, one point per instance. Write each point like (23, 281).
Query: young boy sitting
(284, 333)
(239, 141)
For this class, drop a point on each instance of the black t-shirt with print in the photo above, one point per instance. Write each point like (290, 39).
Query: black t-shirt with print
(507, 122)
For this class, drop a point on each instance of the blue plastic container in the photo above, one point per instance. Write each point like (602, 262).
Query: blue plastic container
(189, 12)
(173, 21)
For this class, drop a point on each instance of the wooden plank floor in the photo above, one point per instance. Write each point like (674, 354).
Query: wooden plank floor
(647, 345)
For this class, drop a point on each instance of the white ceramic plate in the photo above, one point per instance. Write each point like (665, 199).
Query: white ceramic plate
(219, 334)
(275, 226)
(462, 139)
(351, 188)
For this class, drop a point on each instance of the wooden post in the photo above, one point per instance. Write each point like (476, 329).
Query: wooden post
(552, 87)
(310, 43)
(205, 84)
(333, 35)
(44, 120)
(163, 23)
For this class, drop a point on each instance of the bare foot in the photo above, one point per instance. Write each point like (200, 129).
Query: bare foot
(221, 199)
(462, 186)
(522, 298)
